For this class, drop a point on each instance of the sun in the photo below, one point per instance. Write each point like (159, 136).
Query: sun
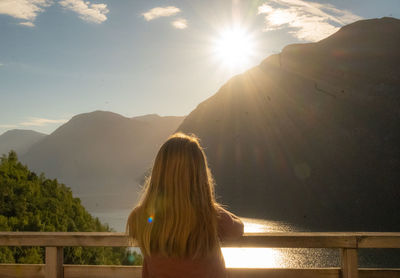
(234, 48)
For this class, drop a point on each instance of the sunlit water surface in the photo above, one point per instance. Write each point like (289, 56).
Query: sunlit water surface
(253, 257)
(277, 257)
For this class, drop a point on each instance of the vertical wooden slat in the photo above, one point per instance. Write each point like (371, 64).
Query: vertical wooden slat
(349, 263)
(54, 262)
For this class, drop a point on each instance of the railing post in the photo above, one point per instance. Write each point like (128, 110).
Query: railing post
(349, 263)
(54, 262)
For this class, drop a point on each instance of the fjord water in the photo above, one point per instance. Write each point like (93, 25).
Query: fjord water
(277, 257)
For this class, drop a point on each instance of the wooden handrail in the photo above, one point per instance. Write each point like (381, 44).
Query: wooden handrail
(268, 240)
(348, 242)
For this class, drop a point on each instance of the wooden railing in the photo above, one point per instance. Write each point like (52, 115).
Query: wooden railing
(349, 243)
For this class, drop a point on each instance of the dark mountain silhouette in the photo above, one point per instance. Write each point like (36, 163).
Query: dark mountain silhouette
(312, 135)
(102, 155)
(19, 140)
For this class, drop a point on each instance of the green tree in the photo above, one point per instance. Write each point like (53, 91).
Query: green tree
(29, 202)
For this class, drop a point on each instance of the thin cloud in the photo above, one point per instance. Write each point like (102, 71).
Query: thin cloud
(24, 9)
(180, 23)
(95, 13)
(27, 23)
(28, 10)
(8, 126)
(160, 12)
(308, 21)
(33, 121)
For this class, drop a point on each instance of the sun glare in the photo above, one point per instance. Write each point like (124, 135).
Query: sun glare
(234, 48)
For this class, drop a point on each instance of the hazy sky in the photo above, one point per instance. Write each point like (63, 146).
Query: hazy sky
(59, 58)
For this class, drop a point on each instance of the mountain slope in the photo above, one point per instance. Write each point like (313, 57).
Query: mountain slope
(101, 155)
(19, 140)
(312, 134)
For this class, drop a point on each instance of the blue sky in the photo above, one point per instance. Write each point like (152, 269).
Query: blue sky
(59, 58)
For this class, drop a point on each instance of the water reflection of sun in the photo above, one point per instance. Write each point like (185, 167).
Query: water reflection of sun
(253, 257)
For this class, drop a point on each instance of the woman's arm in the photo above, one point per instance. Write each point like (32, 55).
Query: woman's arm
(229, 225)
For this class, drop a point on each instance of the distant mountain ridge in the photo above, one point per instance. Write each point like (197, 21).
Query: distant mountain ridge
(312, 135)
(19, 140)
(101, 155)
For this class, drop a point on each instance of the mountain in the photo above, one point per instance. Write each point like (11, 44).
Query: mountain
(102, 155)
(19, 140)
(312, 134)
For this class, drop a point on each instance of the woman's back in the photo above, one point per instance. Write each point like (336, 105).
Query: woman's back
(178, 224)
(212, 266)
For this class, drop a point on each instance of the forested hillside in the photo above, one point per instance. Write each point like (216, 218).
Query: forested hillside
(29, 202)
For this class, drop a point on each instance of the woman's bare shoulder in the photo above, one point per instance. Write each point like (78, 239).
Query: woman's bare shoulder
(229, 225)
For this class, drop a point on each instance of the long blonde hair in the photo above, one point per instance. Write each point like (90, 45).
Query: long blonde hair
(177, 214)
